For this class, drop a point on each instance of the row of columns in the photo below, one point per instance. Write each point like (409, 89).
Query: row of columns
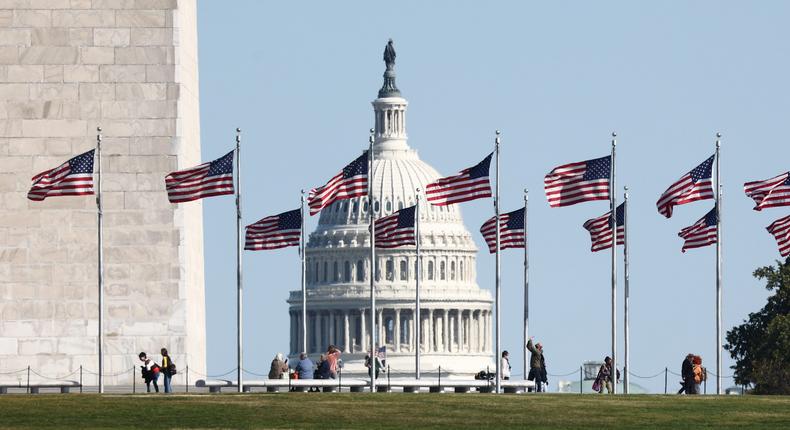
(442, 330)
(391, 122)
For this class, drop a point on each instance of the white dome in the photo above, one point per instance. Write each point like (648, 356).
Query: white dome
(456, 313)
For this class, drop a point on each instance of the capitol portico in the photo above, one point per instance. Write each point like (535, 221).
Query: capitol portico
(456, 314)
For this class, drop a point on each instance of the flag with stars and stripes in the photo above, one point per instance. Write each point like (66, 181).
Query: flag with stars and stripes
(781, 231)
(72, 178)
(578, 182)
(214, 178)
(274, 232)
(769, 193)
(701, 233)
(694, 185)
(351, 182)
(397, 229)
(468, 184)
(601, 229)
(512, 233)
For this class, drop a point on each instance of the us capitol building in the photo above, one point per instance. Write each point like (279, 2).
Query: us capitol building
(456, 315)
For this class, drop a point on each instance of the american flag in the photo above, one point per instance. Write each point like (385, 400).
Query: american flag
(72, 178)
(397, 229)
(274, 232)
(578, 182)
(214, 178)
(781, 231)
(694, 185)
(468, 184)
(769, 193)
(511, 231)
(351, 182)
(601, 229)
(701, 233)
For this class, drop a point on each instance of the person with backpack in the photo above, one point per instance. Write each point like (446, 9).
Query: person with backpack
(150, 371)
(168, 369)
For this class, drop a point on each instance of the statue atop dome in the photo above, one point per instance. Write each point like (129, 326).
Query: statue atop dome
(389, 89)
(389, 55)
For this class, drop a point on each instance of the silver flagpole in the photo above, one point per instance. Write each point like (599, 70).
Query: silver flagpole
(372, 266)
(718, 264)
(626, 295)
(302, 245)
(99, 216)
(498, 313)
(418, 275)
(526, 285)
(239, 289)
(613, 207)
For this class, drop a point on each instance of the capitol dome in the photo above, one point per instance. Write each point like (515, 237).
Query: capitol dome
(456, 314)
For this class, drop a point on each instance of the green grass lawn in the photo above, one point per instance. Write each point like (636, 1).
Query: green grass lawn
(391, 411)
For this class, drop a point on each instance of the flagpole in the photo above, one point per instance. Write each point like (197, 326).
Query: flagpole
(372, 265)
(613, 207)
(99, 215)
(418, 275)
(526, 284)
(498, 314)
(626, 295)
(302, 244)
(239, 290)
(718, 264)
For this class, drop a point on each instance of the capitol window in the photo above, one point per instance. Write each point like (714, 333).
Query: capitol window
(360, 271)
(376, 207)
(404, 270)
(336, 271)
(326, 271)
(347, 271)
(452, 270)
(442, 276)
(430, 270)
(390, 270)
(461, 269)
(365, 206)
(389, 206)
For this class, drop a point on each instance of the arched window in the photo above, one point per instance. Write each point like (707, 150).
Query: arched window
(336, 272)
(452, 270)
(417, 272)
(347, 271)
(378, 271)
(389, 206)
(390, 269)
(365, 206)
(326, 271)
(376, 206)
(404, 270)
(430, 270)
(316, 273)
(389, 331)
(355, 206)
(360, 271)
(461, 269)
(442, 271)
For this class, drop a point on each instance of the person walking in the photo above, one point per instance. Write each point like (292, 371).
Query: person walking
(687, 373)
(700, 374)
(604, 378)
(374, 363)
(504, 364)
(168, 369)
(278, 367)
(150, 371)
(536, 364)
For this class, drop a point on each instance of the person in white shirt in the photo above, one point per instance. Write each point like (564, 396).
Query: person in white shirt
(505, 365)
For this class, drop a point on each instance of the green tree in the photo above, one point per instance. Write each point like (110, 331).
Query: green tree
(761, 345)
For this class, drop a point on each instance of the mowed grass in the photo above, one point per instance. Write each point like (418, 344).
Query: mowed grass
(391, 411)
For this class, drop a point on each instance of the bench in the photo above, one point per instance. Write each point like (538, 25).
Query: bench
(357, 385)
(35, 387)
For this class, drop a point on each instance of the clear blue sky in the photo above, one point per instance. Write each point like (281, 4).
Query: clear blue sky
(557, 79)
